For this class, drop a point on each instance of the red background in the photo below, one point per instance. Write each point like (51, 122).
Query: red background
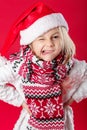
(75, 13)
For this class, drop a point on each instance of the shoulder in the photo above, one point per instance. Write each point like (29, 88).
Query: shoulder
(79, 67)
(3, 61)
(16, 61)
(80, 63)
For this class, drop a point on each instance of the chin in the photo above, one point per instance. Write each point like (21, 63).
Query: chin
(48, 59)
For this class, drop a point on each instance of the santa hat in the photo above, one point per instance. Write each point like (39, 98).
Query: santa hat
(41, 19)
(34, 22)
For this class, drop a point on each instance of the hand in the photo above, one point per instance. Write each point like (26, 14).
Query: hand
(69, 102)
(25, 106)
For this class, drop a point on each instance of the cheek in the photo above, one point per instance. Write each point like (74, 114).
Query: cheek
(58, 47)
(36, 46)
(61, 45)
(36, 50)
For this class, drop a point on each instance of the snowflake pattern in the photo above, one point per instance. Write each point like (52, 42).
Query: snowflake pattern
(50, 108)
(34, 108)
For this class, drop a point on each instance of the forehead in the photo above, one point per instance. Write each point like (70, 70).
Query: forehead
(51, 32)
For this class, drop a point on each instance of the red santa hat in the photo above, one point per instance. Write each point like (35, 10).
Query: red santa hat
(34, 22)
(41, 19)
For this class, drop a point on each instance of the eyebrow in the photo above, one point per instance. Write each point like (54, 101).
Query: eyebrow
(57, 32)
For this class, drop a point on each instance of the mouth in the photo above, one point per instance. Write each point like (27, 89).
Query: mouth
(45, 52)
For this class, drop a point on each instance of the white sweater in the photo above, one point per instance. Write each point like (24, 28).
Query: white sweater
(75, 86)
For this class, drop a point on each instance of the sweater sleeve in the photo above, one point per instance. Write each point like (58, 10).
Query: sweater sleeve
(76, 84)
(8, 93)
(81, 91)
(6, 73)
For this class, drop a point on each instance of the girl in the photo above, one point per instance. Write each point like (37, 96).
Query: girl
(44, 72)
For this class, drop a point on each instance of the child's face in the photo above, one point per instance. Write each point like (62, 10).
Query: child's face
(47, 46)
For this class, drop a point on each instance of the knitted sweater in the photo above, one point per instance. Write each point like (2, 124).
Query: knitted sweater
(74, 87)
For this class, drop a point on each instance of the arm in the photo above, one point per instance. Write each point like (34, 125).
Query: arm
(75, 86)
(7, 93)
(6, 73)
(10, 95)
(81, 91)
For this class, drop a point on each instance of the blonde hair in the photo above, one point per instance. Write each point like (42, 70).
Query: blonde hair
(68, 46)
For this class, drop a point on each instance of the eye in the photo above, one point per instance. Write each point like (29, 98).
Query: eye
(41, 39)
(55, 37)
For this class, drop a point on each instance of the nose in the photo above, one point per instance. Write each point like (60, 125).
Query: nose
(49, 42)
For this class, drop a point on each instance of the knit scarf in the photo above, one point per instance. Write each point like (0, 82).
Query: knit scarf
(42, 89)
(35, 70)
